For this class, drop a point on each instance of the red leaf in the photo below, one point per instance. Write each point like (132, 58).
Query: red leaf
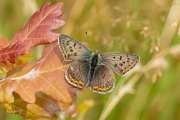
(3, 41)
(46, 76)
(36, 32)
(12, 52)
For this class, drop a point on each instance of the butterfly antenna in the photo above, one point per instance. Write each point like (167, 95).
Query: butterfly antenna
(89, 39)
(108, 44)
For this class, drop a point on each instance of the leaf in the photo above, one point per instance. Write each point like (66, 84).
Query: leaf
(16, 54)
(12, 52)
(9, 66)
(3, 41)
(45, 76)
(38, 29)
(44, 108)
(36, 32)
(41, 76)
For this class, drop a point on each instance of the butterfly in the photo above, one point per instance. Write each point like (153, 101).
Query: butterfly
(91, 69)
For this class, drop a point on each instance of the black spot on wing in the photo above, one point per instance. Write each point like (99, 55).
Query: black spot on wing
(103, 75)
(115, 65)
(74, 44)
(120, 58)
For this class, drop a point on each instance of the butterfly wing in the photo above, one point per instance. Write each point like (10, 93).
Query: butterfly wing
(72, 49)
(77, 73)
(119, 62)
(103, 80)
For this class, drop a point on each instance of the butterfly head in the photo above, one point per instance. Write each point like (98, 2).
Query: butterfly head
(96, 51)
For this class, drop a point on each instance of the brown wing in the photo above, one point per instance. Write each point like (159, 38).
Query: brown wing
(103, 80)
(73, 49)
(119, 62)
(77, 73)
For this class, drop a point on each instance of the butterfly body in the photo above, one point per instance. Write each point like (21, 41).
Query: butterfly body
(91, 69)
(94, 62)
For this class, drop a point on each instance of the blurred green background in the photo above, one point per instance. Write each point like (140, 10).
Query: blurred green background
(149, 28)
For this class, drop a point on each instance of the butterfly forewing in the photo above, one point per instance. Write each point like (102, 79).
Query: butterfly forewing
(119, 62)
(103, 80)
(72, 49)
(77, 73)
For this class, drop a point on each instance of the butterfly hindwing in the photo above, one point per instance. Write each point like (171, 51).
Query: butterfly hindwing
(119, 62)
(77, 73)
(103, 80)
(72, 49)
